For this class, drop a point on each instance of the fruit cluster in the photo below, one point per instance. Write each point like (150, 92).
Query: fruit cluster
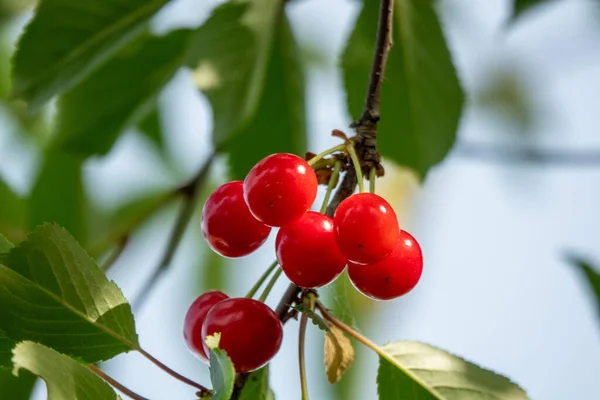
(312, 249)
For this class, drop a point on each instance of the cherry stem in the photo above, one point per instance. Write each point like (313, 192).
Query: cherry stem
(356, 163)
(122, 388)
(270, 285)
(325, 162)
(309, 303)
(169, 371)
(319, 156)
(261, 280)
(351, 332)
(372, 179)
(332, 183)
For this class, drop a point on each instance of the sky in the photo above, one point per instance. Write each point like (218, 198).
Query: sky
(496, 288)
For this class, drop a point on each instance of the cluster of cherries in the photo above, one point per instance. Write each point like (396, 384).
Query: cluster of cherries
(313, 249)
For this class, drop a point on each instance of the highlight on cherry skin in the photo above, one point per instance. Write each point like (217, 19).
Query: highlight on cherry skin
(251, 332)
(194, 318)
(307, 251)
(392, 277)
(366, 228)
(227, 224)
(280, 189)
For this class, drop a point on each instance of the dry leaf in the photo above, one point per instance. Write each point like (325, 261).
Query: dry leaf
(339, 354)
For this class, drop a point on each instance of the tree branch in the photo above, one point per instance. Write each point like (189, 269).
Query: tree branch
(190, 193)
(514, 155)
(382, 50)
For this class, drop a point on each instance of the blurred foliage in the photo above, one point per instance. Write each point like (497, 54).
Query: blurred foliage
(521, 6)
(93, 113)
(592, 277)
(75, 37)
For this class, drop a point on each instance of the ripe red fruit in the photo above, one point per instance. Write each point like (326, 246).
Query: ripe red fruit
(366, 228)
(307, 251)
(392, 277)
(280, 188)
(251, 333)
(192, 326)
(227, 224)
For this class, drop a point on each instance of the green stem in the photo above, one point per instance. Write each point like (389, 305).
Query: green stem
(356, 163)
(261, 280)
(372, 178)
(270, 285)
(332, 182)
(319, 156)
(301, 358)
(325, 162)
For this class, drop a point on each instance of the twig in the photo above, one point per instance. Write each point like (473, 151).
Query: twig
(123, 389)
(171, 372)
(190, 192)
(114, 256)
(512, 155)
(382, 50)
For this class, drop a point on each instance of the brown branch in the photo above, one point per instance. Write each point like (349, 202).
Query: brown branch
(382, 50)
(190, 193)
(123, 389)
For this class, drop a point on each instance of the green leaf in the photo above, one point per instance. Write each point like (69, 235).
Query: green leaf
(16, 387)
(592, 276)
(222, 372)
(6, 346)
(229, 55)
(279, 122)
(5, 244)
(421, 97)
(257, 386)
(65, 378)
(116, 95)
(13, 213)
(58, 195)
(151, 127)
(422, 372)
(53, 293)
(66, 40)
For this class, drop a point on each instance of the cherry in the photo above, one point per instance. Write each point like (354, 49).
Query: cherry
(280, 188)
(392, 277)
(192, 326)
(307, 252)
(251, 333)
(366, 228)
(227, 224)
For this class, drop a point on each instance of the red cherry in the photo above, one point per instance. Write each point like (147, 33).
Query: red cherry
(280, 188)
(251, 333)
(192, 326)
(366, 228)
(392, 277)
(227, 224)
(307, 251)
